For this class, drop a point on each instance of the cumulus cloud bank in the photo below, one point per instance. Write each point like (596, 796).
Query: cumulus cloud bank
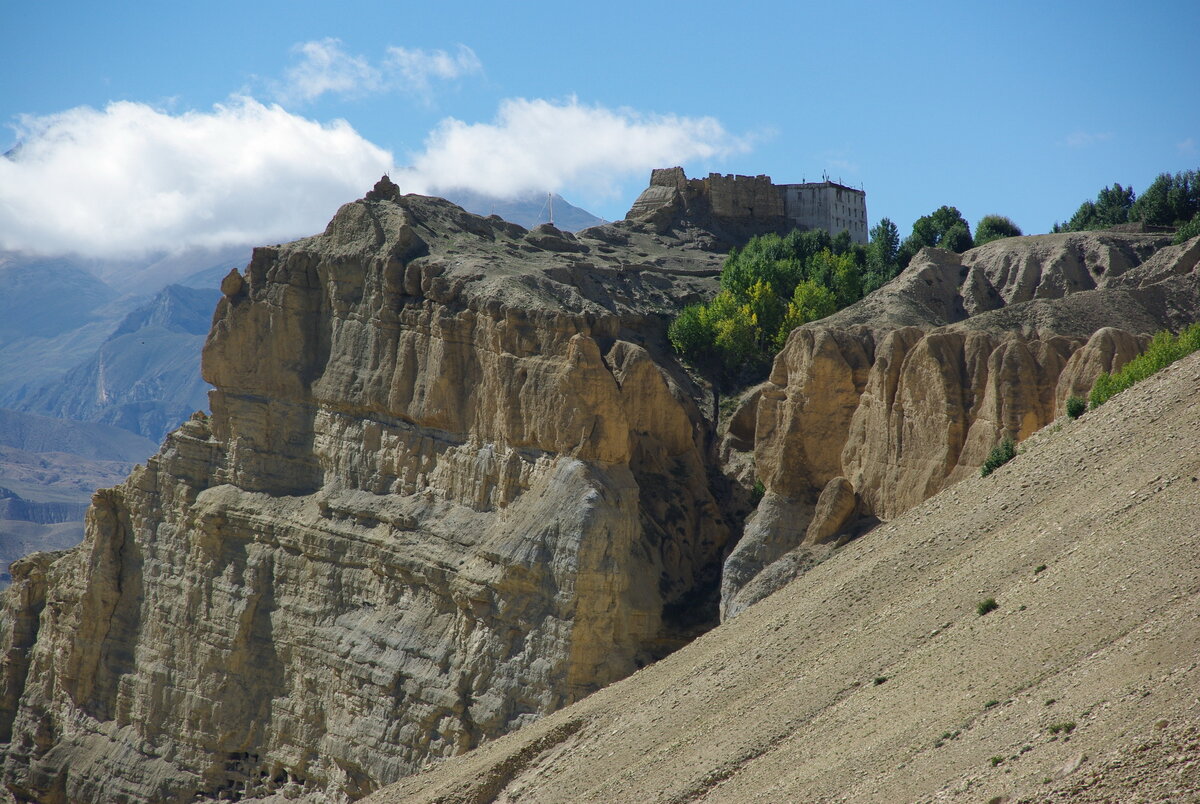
(550, 146)
(130, 178)
(325, 67)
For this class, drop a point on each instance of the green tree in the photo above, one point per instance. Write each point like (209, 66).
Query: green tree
(842, 242)
(767, 310)
(692, 333)
(957, 238)
(735, 331)
(1188, 230)
(1169, 200)
(771, 286)
(810, 302)
(884, 243)
(881, 264)
(1110, 208)
(769, 258)
(931, 230)
(995, 227)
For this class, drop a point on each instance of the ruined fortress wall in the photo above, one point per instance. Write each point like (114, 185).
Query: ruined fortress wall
(732, 196)
(738, 200)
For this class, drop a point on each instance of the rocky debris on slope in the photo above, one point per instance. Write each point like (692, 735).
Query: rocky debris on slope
(905, 393)
(452, 481)
(876, 679)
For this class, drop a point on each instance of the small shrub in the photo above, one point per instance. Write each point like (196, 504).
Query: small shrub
(880, 679)
(1076, 406)
(1188, 230)
(1040, 568)
(1164, 349)
(1065, 727)
(1001, 454)
(756, 493)
(986, 606)
(990, 704)
(996, 761)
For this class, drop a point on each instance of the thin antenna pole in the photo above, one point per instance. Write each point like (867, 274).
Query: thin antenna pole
(550, 203)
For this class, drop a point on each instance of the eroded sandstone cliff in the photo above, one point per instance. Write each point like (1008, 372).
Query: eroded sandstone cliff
(452, 481)
(876, 408)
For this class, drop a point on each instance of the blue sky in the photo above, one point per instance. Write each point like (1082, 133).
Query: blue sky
(154, 123)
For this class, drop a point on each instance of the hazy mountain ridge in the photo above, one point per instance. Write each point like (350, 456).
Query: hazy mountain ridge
(527, 211)
(145, 377)
(82, 350)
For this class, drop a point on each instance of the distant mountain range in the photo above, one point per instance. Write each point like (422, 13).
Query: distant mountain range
(527, 210)
(96, 366)
(145, 377)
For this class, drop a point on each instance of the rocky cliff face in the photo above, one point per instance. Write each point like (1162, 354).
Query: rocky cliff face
(727, 210)
(454, 480)
(451, 482)
(882, 405)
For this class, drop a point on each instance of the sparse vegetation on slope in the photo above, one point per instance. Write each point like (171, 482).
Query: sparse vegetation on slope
(1163, 350)
(1076, 406)
(1001, 454)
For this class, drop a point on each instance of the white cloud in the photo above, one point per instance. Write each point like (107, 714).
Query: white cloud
(324, 67)
(548, 146)
(1082, 139)
(130, 178)
(1187, 147)
(415, 68)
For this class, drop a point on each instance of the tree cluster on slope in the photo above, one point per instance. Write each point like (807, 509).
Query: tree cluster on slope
(774, 285)
(1170, 200)
(945, 227)
(995, 227)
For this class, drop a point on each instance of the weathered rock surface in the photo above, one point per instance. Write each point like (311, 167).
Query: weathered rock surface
(907, 391)
(452, 481)
(728, 210)
(874, 679)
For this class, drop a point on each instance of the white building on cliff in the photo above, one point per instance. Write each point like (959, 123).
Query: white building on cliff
(827, 205)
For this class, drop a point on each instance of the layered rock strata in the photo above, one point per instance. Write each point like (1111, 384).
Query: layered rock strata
(452, 481)
(876, 408)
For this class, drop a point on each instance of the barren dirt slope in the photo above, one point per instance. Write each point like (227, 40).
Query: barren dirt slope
(874, 679)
